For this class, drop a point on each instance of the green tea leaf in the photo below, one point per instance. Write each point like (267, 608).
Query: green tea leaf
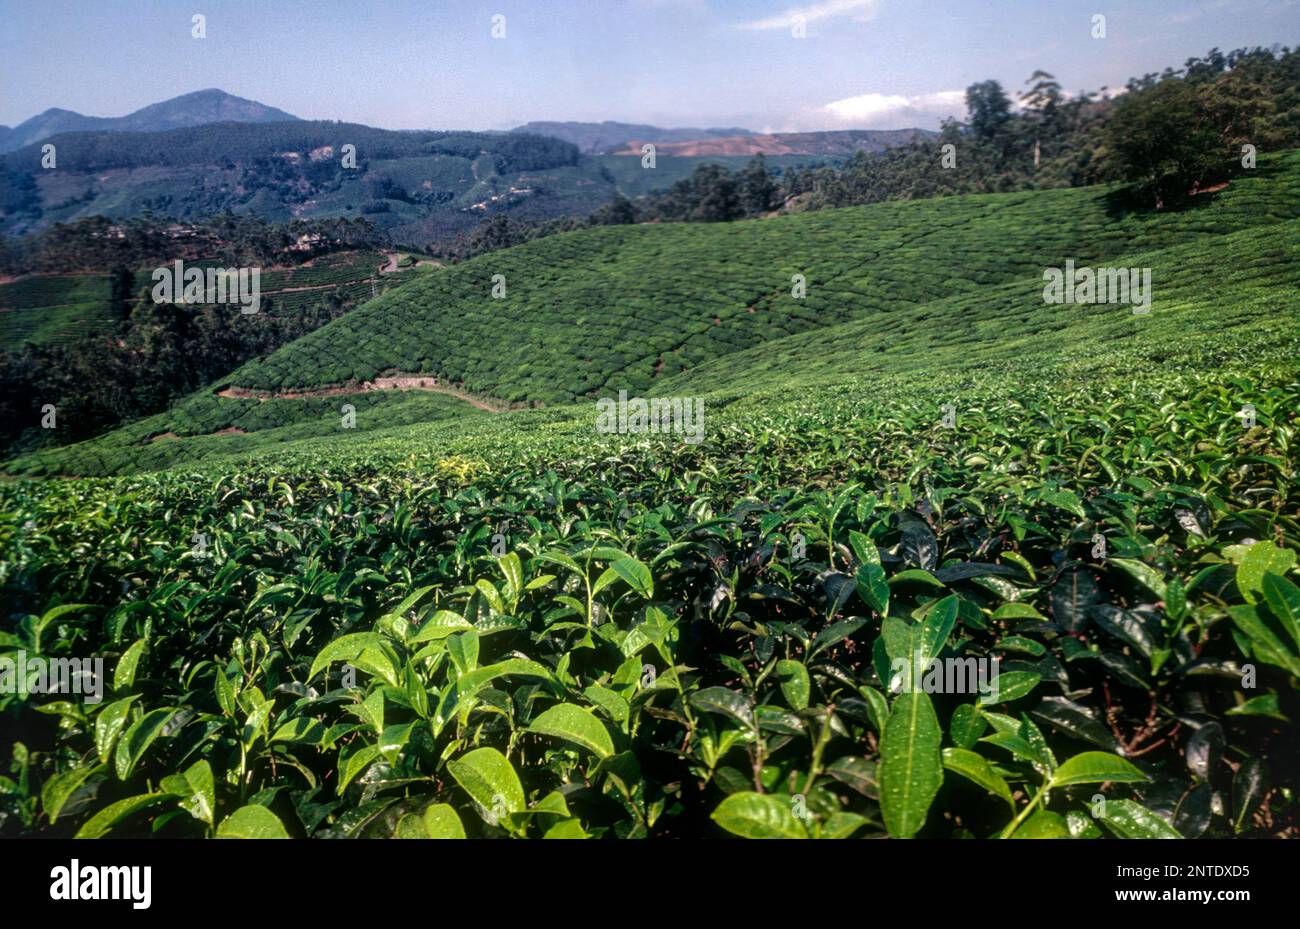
(109, 724)
(1283, 600)
(637, 576)
(975, 768)
(1096, 768)
(441, 822)
(911, 764)
(252, 822)
(490, 781)
(137, 740)
(1044, 824)
(796, 685)
(124, 674)
(727, 702)
(873, 587)
(1130, 820)
(759, 816)
(57, 790)
(966, 726)
(1262, 558)
(1009, 686)
(99, 824)
(575, 724)
(1249, 787)
(196, 790)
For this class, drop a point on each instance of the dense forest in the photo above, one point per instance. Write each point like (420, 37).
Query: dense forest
(1164, 134)
(158, 353)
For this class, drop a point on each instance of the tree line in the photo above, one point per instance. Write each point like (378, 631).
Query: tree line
(1165, 136)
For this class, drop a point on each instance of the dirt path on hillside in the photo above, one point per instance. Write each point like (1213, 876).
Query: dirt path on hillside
(396, 381)
(307, 287)
(169, 435)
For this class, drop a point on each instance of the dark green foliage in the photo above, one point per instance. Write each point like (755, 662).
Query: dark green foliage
(1161, 142)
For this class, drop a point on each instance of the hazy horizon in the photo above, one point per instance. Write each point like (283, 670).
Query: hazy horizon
(864, 64)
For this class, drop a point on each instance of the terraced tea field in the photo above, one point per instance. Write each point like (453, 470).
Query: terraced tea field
(444, 621)
(51, 308)
(901, 289)
(610, 309)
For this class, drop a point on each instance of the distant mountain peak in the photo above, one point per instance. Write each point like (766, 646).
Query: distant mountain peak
(210, 105)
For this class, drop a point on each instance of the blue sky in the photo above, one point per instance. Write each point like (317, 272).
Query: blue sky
(434, 63)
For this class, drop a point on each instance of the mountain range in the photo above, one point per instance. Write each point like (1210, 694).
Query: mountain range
(194, 109)
(210, 152)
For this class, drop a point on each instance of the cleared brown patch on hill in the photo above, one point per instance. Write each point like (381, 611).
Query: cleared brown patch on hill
(169, 435)
(394, 381)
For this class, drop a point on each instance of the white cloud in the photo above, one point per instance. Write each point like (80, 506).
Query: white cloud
(890, 111)
(858, 10)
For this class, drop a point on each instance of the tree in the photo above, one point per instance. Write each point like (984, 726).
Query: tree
(1044, 96)
(498, 231)
(757, 189)
(717, 195)
(1161, 141)
(1040, 103)
(619, 211)
(988, 108)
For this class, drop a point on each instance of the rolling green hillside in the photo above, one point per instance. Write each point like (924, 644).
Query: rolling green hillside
(897, 292)
(1224, 293)
(607, 309)
(428, 183)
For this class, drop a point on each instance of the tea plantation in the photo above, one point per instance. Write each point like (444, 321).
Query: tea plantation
(53, 308)
(444, 621)
(61, 308)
